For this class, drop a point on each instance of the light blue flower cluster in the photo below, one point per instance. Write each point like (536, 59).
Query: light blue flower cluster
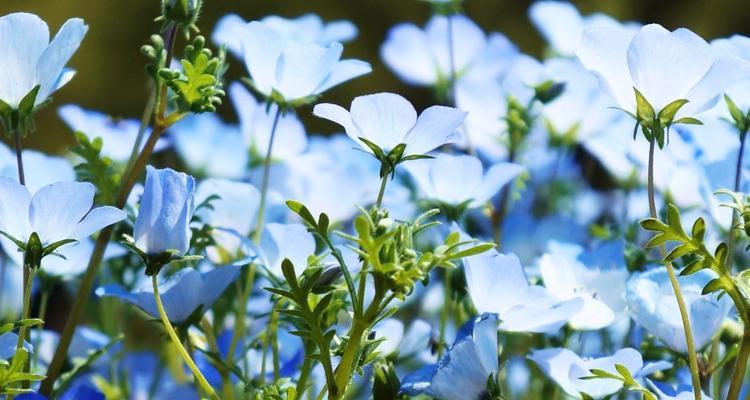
(572, 226)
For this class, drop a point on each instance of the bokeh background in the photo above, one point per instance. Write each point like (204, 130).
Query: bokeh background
(110, 66)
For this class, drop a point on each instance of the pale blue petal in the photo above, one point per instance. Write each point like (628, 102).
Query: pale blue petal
(228, 32)
(302, 69)
(56, 210)
(50, 69)
(23, 38)
(343, 71)
(383, 118)
(14, 209)
(261, 48)
(98, 219)
(435, 127)
(406, 53)
(603, 51)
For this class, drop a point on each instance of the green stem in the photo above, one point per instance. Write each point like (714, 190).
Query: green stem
(692, 356)
(266, 176)
(381, 192)
(498, 216)
(43, 302)
(304, 373)
(210, 392)
(270, 336)
(444, 313)
(735, 213)
(738, 375)
(240, 325)
(26, 306)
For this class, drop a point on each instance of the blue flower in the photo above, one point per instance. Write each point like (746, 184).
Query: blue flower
(308, 28)
(463, 372)
(290, 72)
(40, 169)
(118, 135)
(167, 206)
(666, 391)
(497, 284)
(652, 305)
(456, 179)
(256, 123)
(30, 59)
(182, 294)
(388, 120)
(60, 211)
(566, 368)
(664, 66)
(210, 147)
(280, 241)
(562, 25)
(422, 56)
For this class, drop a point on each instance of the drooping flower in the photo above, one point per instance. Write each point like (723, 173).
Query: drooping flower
(459, 179)
(167, 206)
(599, 286)
(118, 135)
(463, 372)
(567, 369)
(652, 305)
(308, 28)
(389, 120)
(31, 60)
(55, 213)
(292, 73)
(663, 66)
(182, 294)
(423, 56)
(497, 284)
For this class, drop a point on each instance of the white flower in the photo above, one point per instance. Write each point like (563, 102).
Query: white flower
(293, 71)
(29, 59)
(664, 66)
(388, 120)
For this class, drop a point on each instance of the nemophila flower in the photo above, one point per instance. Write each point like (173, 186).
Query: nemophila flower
(461, 180)
(466, 368)
(308, 28)
(55, 215)
(561, 24)
(567, 369)
(256, 124)
(8, 342)
(183, 294)
(30, 60)
(285, 241)
(232, 214)
(497, 284)
(381, 122)
(210, 147)
(423, 56)
(666, 68)
(73, 261)
(163, 222)
(652, 305)
(292, 73)
(118, 135)
(40, 169)
(148, 378)
(600, 288)
(403, 343)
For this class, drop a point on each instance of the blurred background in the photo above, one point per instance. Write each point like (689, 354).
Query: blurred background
(110, 66)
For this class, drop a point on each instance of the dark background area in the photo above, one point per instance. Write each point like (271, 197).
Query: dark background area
(110, 66)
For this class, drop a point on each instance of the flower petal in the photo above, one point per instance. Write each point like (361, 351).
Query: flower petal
(14, 209)
(51, 67)
(98, 219)
(435, 127)
(57, 209)
(383, 118)
(23, 38)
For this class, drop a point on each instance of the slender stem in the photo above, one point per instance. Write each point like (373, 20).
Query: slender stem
(692, 357)
(240, 326)
(26, 307)
(267, 339)
(148, 112)
(19, 157)
(43, 302)
(498, 216)
(178, 344)
(738, 375)
(444, 312)
(266, 176)
(304, 373)
(735, 213)
(381, 192)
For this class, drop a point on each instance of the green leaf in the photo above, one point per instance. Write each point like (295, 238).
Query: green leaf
(644, 110)
(287, 268)
(96, 168)
(26, 106)
(300, 209)
(737, 115)
(688, 121)
(713, 286)
(666, 115)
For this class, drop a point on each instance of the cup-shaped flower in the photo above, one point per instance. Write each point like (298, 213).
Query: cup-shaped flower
(460, 179)
(56, 215)
(464, 371)
(497, 283)
(33, 67)
(652, 305)
(162, 228)
(291, 73)
(186, 294)
(386, 125)
(567, 369)
(308, 28)
(659, 77)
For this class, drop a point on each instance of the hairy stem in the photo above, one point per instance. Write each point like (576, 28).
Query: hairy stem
(210, 392)
(266, 176)
(381, 192)
(692, 356)
(735, 213)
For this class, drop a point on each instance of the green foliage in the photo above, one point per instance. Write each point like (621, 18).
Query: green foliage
(101, 171)
(624, 376)
(20, 120)
(197, 88)
(183, 13)
(740, 120)
(655, 126)
(386, 384)
(12, 373)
